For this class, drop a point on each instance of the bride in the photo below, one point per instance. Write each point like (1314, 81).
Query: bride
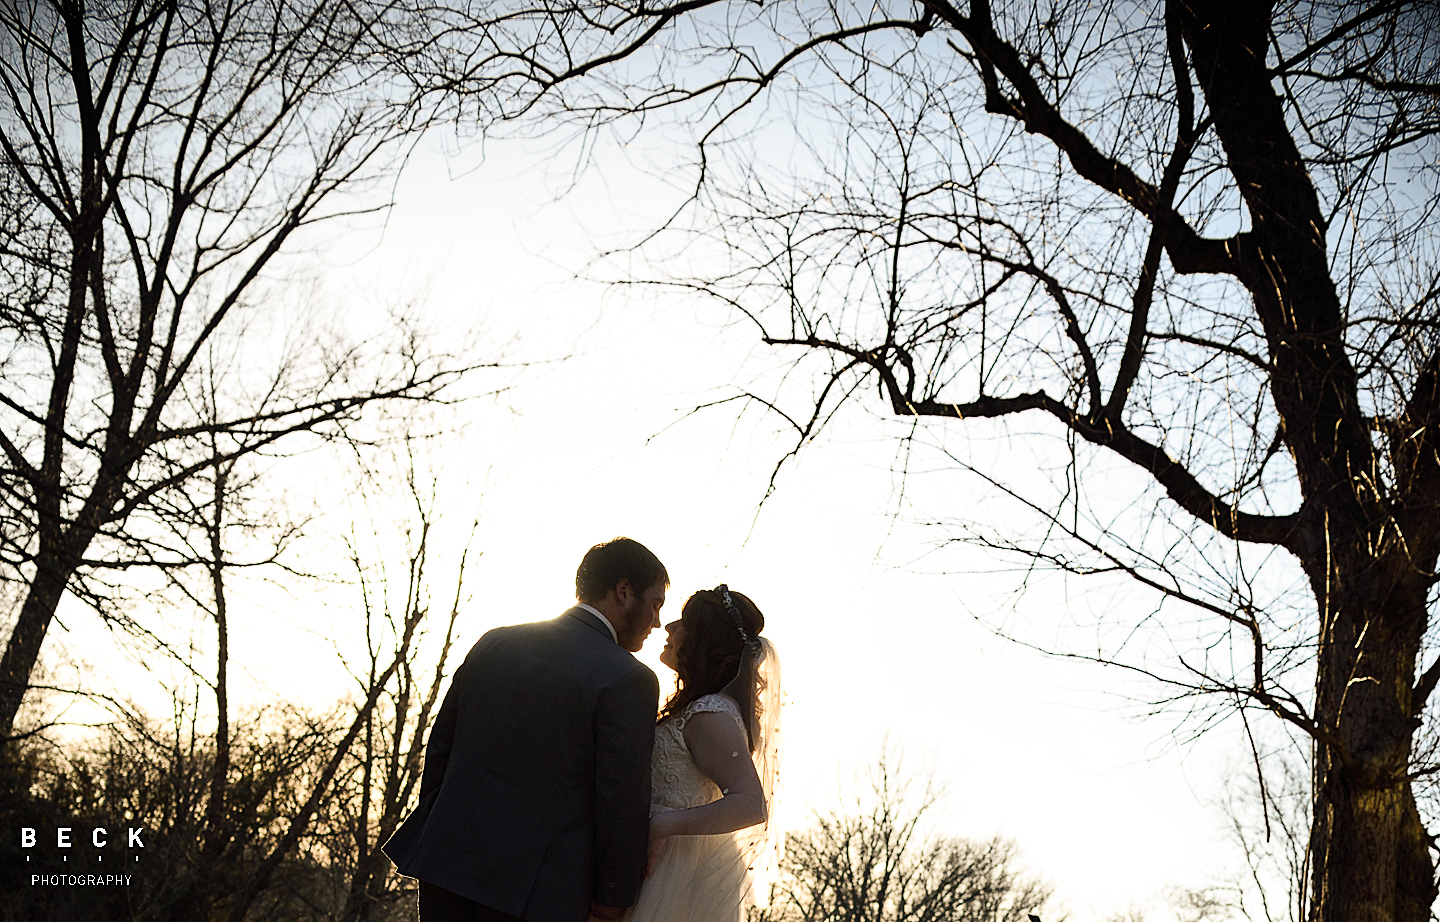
(715, 763)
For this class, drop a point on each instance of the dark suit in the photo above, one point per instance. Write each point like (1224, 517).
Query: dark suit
(536, 792)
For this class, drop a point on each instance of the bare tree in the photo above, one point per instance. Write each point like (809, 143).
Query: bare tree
(155, 158)
(234, 853)
(874, 861)
(1195, 239)
(282, 813)
(381, 779)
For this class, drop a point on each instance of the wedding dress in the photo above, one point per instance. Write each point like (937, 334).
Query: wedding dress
(710, 878)
(700, 878)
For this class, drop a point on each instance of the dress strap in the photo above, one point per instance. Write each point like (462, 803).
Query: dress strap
(715, 703)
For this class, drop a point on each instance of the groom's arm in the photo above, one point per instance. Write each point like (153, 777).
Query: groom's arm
(442, 734)
(624, 739)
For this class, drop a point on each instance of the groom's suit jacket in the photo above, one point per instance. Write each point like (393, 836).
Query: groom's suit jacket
(536, 792)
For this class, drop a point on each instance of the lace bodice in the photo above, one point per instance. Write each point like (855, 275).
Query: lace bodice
(675, 781)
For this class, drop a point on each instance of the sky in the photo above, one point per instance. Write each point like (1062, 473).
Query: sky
(886, 639)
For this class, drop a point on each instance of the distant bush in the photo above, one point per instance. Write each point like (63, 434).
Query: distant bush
(194, 861)
(874, 863)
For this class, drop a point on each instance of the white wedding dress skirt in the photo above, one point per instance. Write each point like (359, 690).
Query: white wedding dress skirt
(695, 878)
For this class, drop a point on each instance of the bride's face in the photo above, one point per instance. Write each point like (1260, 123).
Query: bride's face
(674, 637)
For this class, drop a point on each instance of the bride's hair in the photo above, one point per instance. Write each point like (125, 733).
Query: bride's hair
(709, 656)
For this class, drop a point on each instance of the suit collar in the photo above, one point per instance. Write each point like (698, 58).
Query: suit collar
(609, 626)
(585, 616)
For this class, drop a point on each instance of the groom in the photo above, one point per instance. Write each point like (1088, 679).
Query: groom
(534, 803)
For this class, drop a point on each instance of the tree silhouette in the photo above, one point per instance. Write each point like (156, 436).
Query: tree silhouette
(155, 158)
(873, 861)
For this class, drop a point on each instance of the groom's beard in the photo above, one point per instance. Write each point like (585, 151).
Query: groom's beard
(634, 627)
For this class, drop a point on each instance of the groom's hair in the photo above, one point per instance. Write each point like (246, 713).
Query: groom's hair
(605, 565)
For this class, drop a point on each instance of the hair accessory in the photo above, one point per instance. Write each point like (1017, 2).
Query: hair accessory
(733, 610)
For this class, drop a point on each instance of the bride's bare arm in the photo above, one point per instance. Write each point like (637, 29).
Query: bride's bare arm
(718, 746)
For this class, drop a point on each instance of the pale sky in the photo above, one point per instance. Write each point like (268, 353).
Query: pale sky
(1108, 806)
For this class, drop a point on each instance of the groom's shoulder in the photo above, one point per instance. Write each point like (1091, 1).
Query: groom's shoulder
(533, 629)
(574, 630)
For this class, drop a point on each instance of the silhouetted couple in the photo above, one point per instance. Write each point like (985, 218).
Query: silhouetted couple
(556, 788)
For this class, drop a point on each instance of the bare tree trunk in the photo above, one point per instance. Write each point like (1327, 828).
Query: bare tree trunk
(1371, 858)
(28, 636)
(216, 828)
(1371, 854)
